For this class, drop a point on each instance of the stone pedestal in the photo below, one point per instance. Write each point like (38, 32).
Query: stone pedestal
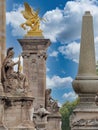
(34, 60)
(41, 123)
(16, 113)
(54, 122)
(85, 115)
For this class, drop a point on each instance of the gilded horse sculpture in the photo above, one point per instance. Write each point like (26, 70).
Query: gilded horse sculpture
(32, 21)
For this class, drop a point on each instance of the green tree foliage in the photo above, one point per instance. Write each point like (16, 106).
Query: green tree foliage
(66, 111)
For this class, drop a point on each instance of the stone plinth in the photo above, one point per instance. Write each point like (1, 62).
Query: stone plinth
(16, 113)
(85, 115)
(3, 128)
(54, 122)
(34, 60)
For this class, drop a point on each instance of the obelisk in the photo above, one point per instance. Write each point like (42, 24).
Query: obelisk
(87, 49)
(2, 33)
(86, 83)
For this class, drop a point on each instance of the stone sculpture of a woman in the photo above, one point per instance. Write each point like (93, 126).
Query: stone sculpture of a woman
(13, 82)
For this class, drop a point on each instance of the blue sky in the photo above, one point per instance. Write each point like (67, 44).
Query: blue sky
(63, 28)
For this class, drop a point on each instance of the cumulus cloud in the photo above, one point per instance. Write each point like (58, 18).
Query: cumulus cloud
(71, 51)
(67, 27)
(14, 18)
(54, 54)
(56, 82)
(70, 96)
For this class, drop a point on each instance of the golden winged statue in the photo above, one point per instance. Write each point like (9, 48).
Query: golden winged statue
(32, 21)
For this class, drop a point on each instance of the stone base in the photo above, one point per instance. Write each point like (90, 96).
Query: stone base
(87, 85)
(16, 112)
(54, 122)
(83, 128)
(20, 129)
(85, 115)
(34, 33)
(3, 128)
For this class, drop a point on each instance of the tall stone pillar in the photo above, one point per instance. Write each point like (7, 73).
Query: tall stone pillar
(85, 115)
(87, 50)
(3, 28)
(2, 55)
(34, 59)
(2, 35)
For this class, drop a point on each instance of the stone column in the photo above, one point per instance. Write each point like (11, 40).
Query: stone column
(85, 115)
(2, 35)
(2, 51)
(3, 28)
(87, 66)
(34, 60)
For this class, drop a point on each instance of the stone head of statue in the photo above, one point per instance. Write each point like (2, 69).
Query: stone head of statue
(48, 91)
(10, 52)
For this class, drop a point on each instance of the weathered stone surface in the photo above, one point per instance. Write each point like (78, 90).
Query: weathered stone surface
(34, 59)
(14, 83)
(16, 112)
(2, 37)
(54, 122)
(50, 104)
(87, 66)
(2, 29)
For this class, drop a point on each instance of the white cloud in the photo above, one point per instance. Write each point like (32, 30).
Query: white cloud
(59, 104)
(57, 81)
(53, 25)
(54, 54)
(14, 19)
(71, 51)
(47, 69)
(65, 25)
(70, 96)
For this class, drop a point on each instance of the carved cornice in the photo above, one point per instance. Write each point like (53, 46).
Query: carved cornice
(34, 44)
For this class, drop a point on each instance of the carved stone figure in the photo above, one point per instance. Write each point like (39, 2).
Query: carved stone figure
(42, 112)
(29, 110)
(51, 104)
(13, 82)
(41, 118)
(86, 122)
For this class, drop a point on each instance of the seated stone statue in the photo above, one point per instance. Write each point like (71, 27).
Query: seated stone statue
(13, 82)
(51, 104)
